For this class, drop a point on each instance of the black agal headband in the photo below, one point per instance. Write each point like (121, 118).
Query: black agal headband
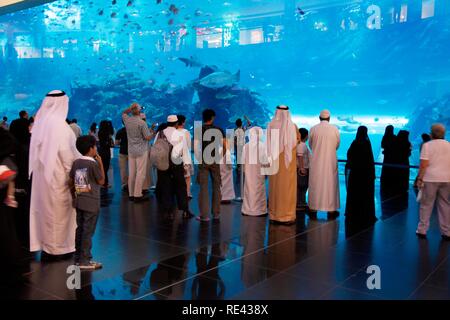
(60, 94)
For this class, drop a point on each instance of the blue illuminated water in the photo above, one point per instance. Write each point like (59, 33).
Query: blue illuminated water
(370, 62)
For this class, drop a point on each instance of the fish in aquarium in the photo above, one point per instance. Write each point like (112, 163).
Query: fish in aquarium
(219, 79)
(335, 55)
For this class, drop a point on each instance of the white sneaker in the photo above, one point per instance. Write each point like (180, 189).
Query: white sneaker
(97, 265)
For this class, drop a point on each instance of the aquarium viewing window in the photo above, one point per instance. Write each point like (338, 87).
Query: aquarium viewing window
(370, 62)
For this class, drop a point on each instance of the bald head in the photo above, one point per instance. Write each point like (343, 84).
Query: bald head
(437, 131)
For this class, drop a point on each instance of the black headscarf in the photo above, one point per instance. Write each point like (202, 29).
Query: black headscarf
(403, 147)
(388, 137)
(360, 155)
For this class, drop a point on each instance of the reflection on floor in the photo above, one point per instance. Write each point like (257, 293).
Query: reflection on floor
(146, 257)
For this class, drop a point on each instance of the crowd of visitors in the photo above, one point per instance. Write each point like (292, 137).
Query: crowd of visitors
(62, 172)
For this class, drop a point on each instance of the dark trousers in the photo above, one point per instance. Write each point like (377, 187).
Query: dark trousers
(105, 154)
(238, 179)
(86, 223)
(204, 172)
(302, 188)
(170, 184)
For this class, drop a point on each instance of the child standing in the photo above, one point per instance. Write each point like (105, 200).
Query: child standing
(86, 178)
(302, 170)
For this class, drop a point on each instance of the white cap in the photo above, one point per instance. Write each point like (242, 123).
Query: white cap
(325, 114)
(172, 118)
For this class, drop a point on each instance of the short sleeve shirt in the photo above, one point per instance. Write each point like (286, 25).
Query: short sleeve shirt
(137, 131)
(206, 142)
(303, 151)
(85, 173)
(437, 152)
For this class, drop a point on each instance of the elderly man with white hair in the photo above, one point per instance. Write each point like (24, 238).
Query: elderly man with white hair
(138, 136)
(52, 152)
(324, 140)
(434, 182)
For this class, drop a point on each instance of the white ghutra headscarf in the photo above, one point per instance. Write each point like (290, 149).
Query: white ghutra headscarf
(50, 133)
(287, 135)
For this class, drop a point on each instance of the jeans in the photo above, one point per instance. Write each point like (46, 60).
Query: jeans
(302, 188)
(86, 223)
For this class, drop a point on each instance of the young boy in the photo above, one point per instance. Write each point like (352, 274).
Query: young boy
(302, 170)
(86, 178)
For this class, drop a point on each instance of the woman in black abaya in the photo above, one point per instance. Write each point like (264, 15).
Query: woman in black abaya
(388, 173)
(403, 152)
(105, 143)
(360, 207)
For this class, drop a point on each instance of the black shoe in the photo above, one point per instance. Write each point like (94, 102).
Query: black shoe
(46, 257)
(225, 202)
(445, 238)
(131, 198)
(140, 199)
(312, 214)
(421, 235)
(333, 215)
(188, 215)
(282, 223)
(144, 192)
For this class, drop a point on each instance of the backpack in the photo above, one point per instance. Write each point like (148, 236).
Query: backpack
(160, 153)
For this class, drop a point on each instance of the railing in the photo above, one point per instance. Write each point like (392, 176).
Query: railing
(391, 165)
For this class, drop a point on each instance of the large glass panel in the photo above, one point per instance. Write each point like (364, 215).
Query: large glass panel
(375, 62)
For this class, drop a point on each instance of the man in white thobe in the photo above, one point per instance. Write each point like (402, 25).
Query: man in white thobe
(52, 152)
(226, 176)
(324, 141)
(255, 157)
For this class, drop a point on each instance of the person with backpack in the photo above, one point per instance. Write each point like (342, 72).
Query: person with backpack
(167, 156)
(138, 136)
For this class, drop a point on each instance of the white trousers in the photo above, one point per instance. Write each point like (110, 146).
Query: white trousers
(435, 193)
(137, 167)
(123, 165)
(148, 182)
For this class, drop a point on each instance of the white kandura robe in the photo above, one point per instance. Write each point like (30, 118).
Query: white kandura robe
(255, 198)
(52, 216)
(324, 140)
(226, 175)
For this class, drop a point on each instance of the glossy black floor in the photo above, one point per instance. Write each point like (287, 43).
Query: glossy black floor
(241, 257)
